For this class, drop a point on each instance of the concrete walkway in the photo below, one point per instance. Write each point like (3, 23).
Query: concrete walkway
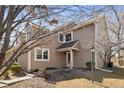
(4, 83)
(17, 79)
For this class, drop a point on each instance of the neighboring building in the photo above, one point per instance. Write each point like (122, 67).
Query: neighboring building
(70, 47)
(120, 60)
(10, 52)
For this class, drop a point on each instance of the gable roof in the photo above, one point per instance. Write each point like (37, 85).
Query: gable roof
(65, 26)
(67, 45)
(82, 24)
(36, 27)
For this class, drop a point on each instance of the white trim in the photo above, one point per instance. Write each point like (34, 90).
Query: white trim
(35, 53)
(67, 49)
(71, 59)
(67, 63)
(105, 70)
(63, 49)
(64, 38)
(70, 65)
(43, 49)
(75, 44)
(75, 49)
(72, 35)
(29, 60)
(59, 37)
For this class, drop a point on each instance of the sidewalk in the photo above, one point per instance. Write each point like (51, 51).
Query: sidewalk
(2, 85)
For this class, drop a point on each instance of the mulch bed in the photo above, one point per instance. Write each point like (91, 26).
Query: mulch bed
(63, 74)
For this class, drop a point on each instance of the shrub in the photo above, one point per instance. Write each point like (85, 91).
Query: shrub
(88, 64)
(110, 65)
(16, 68)
(8, 75)
(42, 71)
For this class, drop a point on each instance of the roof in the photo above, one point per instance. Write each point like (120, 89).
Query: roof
(75, 26)
(65, 26)
(122, 48)
(36, 27)
(67, 45)
(82, 24)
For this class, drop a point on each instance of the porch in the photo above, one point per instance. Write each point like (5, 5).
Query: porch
(69, 49)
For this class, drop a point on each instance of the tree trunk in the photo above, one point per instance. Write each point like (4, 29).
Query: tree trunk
(105, 64)
(2, 57)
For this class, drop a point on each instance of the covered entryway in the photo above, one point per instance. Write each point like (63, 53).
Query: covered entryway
(68, 49)
(68, 59)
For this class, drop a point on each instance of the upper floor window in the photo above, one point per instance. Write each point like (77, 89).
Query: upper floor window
(68, 37)
(41, 54)
(63, 38)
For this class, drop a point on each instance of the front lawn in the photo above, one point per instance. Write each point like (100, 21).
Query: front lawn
(101, 79)
(78, 79)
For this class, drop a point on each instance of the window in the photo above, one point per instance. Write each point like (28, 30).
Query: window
(61, 37)
(41, 54)
(121, 61)
(45, 54)
(65, 38)
(68, 37)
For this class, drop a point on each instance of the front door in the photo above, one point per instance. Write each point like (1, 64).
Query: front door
(68, 59)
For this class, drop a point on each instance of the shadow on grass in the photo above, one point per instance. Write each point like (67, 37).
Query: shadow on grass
(86, 74)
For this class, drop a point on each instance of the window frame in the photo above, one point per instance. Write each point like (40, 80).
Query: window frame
(71, 37)
(64, 37)
(43, 50)
(59, 37)
(121, 58)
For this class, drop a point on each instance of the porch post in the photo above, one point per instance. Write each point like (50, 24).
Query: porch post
(71, 59)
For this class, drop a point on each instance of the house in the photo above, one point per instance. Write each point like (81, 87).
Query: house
(120, 59)
(69, 47)
(9, 54)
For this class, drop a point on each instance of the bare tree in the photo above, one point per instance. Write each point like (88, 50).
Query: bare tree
(13, 19)
(112, 33)
(117, 27)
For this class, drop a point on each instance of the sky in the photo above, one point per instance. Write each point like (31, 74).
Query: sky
(71, 13)
(77, 13)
